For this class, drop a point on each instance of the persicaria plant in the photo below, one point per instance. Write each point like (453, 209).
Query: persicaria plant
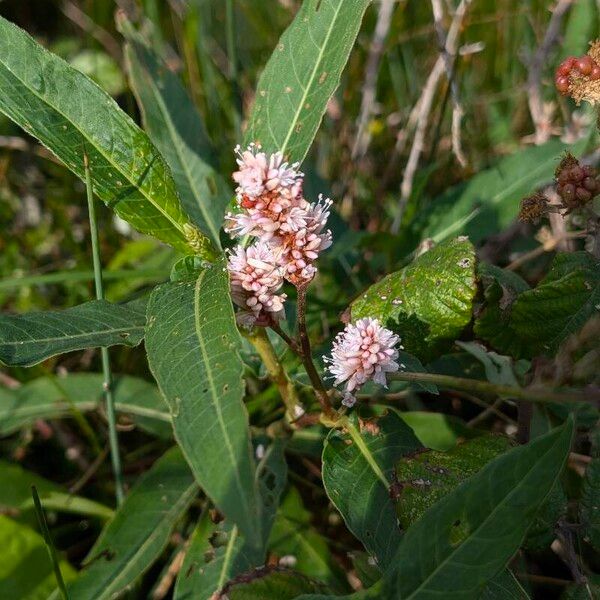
(311, 368)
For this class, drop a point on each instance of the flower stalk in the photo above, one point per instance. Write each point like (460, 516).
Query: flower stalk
(260, 340)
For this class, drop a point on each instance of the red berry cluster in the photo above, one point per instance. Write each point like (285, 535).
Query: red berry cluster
(584, 66)
(576, 184)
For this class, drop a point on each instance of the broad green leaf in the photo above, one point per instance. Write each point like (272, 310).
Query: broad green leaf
(354, 474)
(217, 554)
(437, 430)
(427, 477)
(28, 339)
(560, 305)
(429, 302)
(271, 584)
(193, 344)
(293, 535)
(57, 397)
(302, 75)
(465, 539)
(139, 531)
(71, 115)
(489, 202)
(590, 496)
(25, 569)
(15, 494)
(174, 125)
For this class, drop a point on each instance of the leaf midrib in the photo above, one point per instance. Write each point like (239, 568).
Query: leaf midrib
(513, 491)
(211, 384)
(167, 119)
(35, 341)
(86, 137)
(311, 79)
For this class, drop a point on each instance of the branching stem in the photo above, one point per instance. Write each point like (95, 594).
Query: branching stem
(306, 355)
(260, 340)
(485, 387)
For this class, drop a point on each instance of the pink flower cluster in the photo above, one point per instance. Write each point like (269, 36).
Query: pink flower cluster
(361, 352)
(290, 233)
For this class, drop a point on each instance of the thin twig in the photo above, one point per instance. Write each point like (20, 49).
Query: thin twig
(106, 369)
(535, 67)
(382, 28)
(548, 246)
(83, 21)
(491, 409)
(90, 472)
(449, 64)
(425, 104)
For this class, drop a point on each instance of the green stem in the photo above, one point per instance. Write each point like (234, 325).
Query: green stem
(49, 544)
(106, 370)
(485, 387)
(260, 340)
(311, 371)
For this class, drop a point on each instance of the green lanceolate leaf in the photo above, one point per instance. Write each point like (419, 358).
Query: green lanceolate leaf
(174, 125)
(429, 302)
(58, 397)
(217, 554)
(15, 494)
(357, 475)
(429, 476)
(139, 531)
(293, 535)
(490, 201)
(560, 305)
(271, 584)
(28, 339)
(465, 539)
(192, 343)
(72, 116)
(25, 569)
(302, 75)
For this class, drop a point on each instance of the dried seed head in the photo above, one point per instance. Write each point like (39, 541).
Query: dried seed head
(533, 207)
(579, 77)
